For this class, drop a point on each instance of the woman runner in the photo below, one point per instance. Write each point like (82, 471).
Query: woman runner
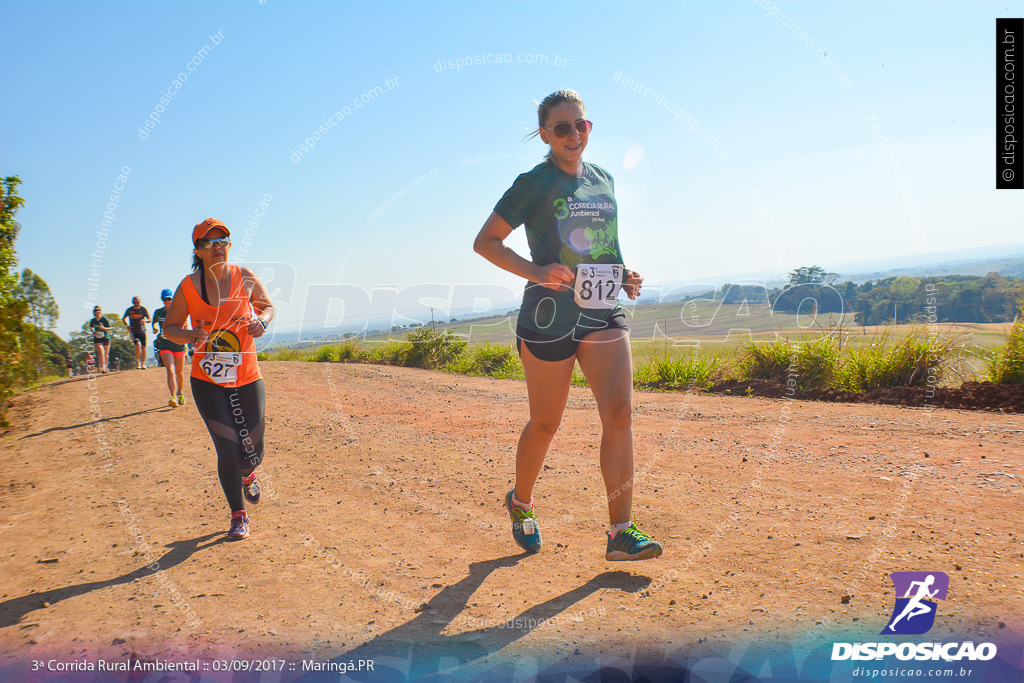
(229, 308)
(170, 354)
(101, 328)
(569, 313)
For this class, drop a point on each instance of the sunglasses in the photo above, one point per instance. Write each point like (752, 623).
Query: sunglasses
(208, 244)
(563, 129)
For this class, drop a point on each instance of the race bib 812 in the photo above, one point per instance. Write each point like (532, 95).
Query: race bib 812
(598, 284)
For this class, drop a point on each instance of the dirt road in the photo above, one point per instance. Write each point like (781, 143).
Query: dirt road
(382, 531)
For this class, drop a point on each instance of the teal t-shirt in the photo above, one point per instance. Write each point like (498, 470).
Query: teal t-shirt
(163, 343)
(569, 220)
(99, 335)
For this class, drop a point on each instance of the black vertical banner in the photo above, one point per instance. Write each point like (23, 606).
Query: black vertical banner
(1009, 119)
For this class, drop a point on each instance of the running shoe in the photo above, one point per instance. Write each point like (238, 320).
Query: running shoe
(251, 489)
(181, 399)
(172, 403)
(632, 544)
(525, 529)
(239, 526)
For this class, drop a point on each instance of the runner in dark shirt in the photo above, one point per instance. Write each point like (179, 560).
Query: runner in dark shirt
(136, 317)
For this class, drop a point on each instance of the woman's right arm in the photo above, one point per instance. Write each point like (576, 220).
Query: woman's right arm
(490, 243)
(174, 323)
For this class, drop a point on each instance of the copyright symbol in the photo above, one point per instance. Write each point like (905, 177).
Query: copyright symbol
(1008, 175)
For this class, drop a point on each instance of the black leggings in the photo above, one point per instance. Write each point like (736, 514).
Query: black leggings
(234, 416)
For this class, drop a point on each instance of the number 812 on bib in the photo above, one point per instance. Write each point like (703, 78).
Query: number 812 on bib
(598, 284)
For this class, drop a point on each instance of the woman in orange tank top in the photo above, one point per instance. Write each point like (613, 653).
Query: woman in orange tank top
(229, 309)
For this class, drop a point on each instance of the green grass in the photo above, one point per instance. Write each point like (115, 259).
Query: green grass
(695, 370)
(808, 362)
(914, 360)
(829, 358)
(1006, 364)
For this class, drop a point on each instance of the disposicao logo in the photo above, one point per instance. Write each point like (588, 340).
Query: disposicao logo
(914, 613)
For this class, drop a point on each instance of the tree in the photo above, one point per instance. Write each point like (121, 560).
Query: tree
(122, 354)
(12, 312)
(54, 360)
(42, 308)
(10, 202)
(27, 350)
(811, 275)
(904, 288)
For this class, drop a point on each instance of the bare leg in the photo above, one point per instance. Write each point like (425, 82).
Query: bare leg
(179, 372)
(101, 357)
(547, 384)
(169, 369)
(606, 360)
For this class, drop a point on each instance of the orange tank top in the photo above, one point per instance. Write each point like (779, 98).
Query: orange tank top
(228, 358)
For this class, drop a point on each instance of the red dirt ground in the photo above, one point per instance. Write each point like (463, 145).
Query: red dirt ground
(396, 476)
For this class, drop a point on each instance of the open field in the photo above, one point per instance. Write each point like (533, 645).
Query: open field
(382, 532)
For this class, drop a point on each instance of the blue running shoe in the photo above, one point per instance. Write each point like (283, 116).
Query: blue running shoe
(525, 529)
(632, 544)
(239, 526)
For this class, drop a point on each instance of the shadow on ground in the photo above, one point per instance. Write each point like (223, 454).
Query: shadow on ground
(12, 611)
(418, 649)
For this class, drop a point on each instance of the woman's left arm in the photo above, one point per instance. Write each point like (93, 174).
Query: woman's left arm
(260, 301)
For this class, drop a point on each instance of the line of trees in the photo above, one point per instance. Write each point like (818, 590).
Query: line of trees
(993, 298)
(955, 298)
(28, 312)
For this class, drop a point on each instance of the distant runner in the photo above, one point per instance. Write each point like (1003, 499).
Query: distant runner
(229, 308)
(101, 330)
(570, 313)
(136, 317)
(170, 354)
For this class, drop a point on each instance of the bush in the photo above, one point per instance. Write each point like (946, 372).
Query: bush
(818, 361)
(324, 354)
(694, 371)
(391, 353)
(337, 353)
(916, 360)
(767, 360)
(1006, 365)
(283, 354)
(811, 362)
(426, 348)
(493, 360)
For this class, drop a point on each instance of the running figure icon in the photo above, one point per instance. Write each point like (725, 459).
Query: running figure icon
(915, 607)
(920, 593)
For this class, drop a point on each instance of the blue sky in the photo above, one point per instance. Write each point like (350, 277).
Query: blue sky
(810, 181)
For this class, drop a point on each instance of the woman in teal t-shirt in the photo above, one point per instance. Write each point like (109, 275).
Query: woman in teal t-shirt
(570, 313)
(171, 353)
(100, 329)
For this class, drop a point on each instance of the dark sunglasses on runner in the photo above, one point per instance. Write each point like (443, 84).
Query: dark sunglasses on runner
(207, 244)
(563, 129)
